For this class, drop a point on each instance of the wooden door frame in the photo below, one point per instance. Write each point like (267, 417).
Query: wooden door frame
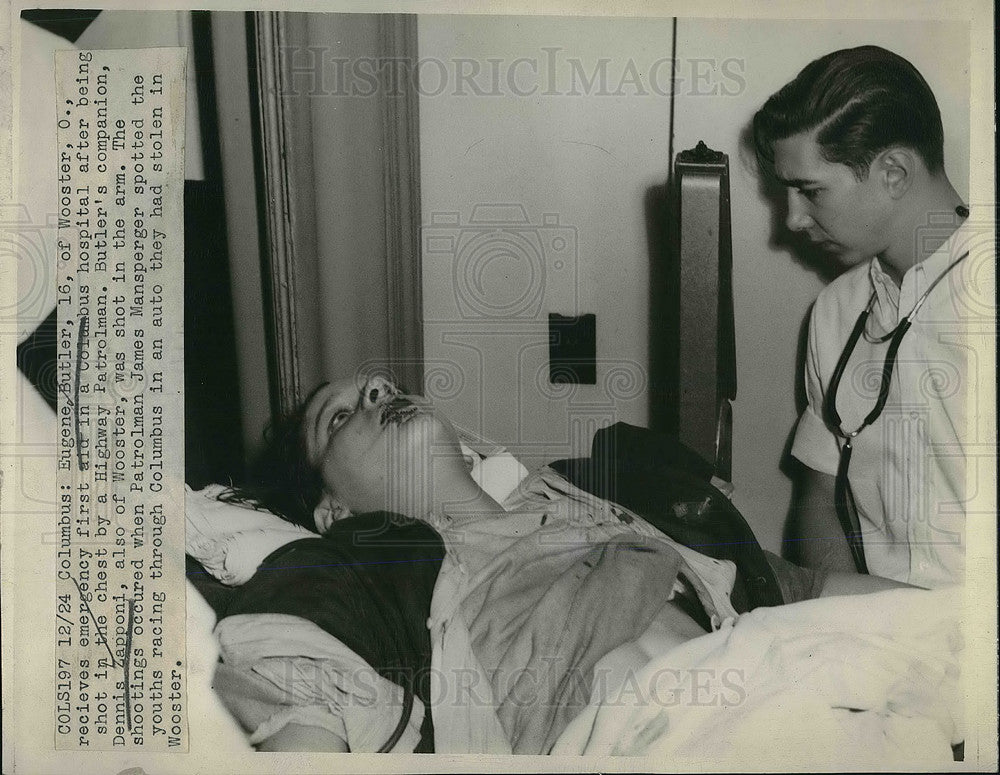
(286, 204)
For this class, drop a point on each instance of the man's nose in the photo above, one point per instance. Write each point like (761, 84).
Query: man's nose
(377, 390)
(797, 219)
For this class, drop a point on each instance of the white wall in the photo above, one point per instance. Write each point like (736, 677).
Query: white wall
(773, 290)
(586, 160)
(590, 159)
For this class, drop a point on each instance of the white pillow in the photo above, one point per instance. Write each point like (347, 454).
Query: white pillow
(231, 540)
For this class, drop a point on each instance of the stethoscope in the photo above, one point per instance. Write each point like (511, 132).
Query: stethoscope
(846, 511)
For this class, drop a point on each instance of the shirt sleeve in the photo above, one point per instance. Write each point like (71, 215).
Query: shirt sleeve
(275, 692)
(814, 445)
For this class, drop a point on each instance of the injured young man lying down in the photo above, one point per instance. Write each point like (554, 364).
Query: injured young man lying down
(397, 605)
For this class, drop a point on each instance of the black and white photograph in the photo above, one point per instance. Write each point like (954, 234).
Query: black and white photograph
(609, 386)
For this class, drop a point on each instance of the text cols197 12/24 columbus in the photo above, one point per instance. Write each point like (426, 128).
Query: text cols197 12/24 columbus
(120, 599)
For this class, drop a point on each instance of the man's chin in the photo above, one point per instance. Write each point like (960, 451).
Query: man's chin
(844, 256)
(423, 434)
(828, 251)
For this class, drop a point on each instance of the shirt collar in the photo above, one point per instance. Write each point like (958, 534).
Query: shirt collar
(889, 298)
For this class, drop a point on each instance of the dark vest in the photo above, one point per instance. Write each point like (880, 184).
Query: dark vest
(368, 583)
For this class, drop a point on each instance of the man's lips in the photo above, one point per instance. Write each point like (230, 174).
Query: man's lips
(824, 243)
(397, 412)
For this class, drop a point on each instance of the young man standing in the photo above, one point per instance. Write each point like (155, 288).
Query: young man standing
(856, 138)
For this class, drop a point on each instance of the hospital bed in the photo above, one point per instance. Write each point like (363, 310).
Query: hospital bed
(862, 681)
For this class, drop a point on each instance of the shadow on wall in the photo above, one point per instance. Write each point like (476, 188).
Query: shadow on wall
(213, 444)
(664, 303)
(664, 300)
(801, 251)
(789, 466)
(799, 248)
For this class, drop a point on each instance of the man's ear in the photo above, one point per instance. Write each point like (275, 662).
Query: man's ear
(896, 167)
(328, 511)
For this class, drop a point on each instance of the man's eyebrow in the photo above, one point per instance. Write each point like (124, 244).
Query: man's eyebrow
(333, 403)
(319, 414)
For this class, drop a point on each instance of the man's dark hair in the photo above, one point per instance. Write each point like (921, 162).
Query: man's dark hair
(281, 479)
(863, 100)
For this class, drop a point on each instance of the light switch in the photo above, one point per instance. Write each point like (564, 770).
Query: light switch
(573, 349)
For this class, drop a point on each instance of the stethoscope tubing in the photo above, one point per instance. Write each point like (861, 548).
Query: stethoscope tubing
(842, 492)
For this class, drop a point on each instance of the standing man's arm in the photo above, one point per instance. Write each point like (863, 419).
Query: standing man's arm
(816, 529)
(821, 539)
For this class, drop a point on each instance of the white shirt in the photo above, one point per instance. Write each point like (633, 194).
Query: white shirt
(907, 470)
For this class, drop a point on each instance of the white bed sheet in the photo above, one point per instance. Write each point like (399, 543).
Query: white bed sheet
(858, 682)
